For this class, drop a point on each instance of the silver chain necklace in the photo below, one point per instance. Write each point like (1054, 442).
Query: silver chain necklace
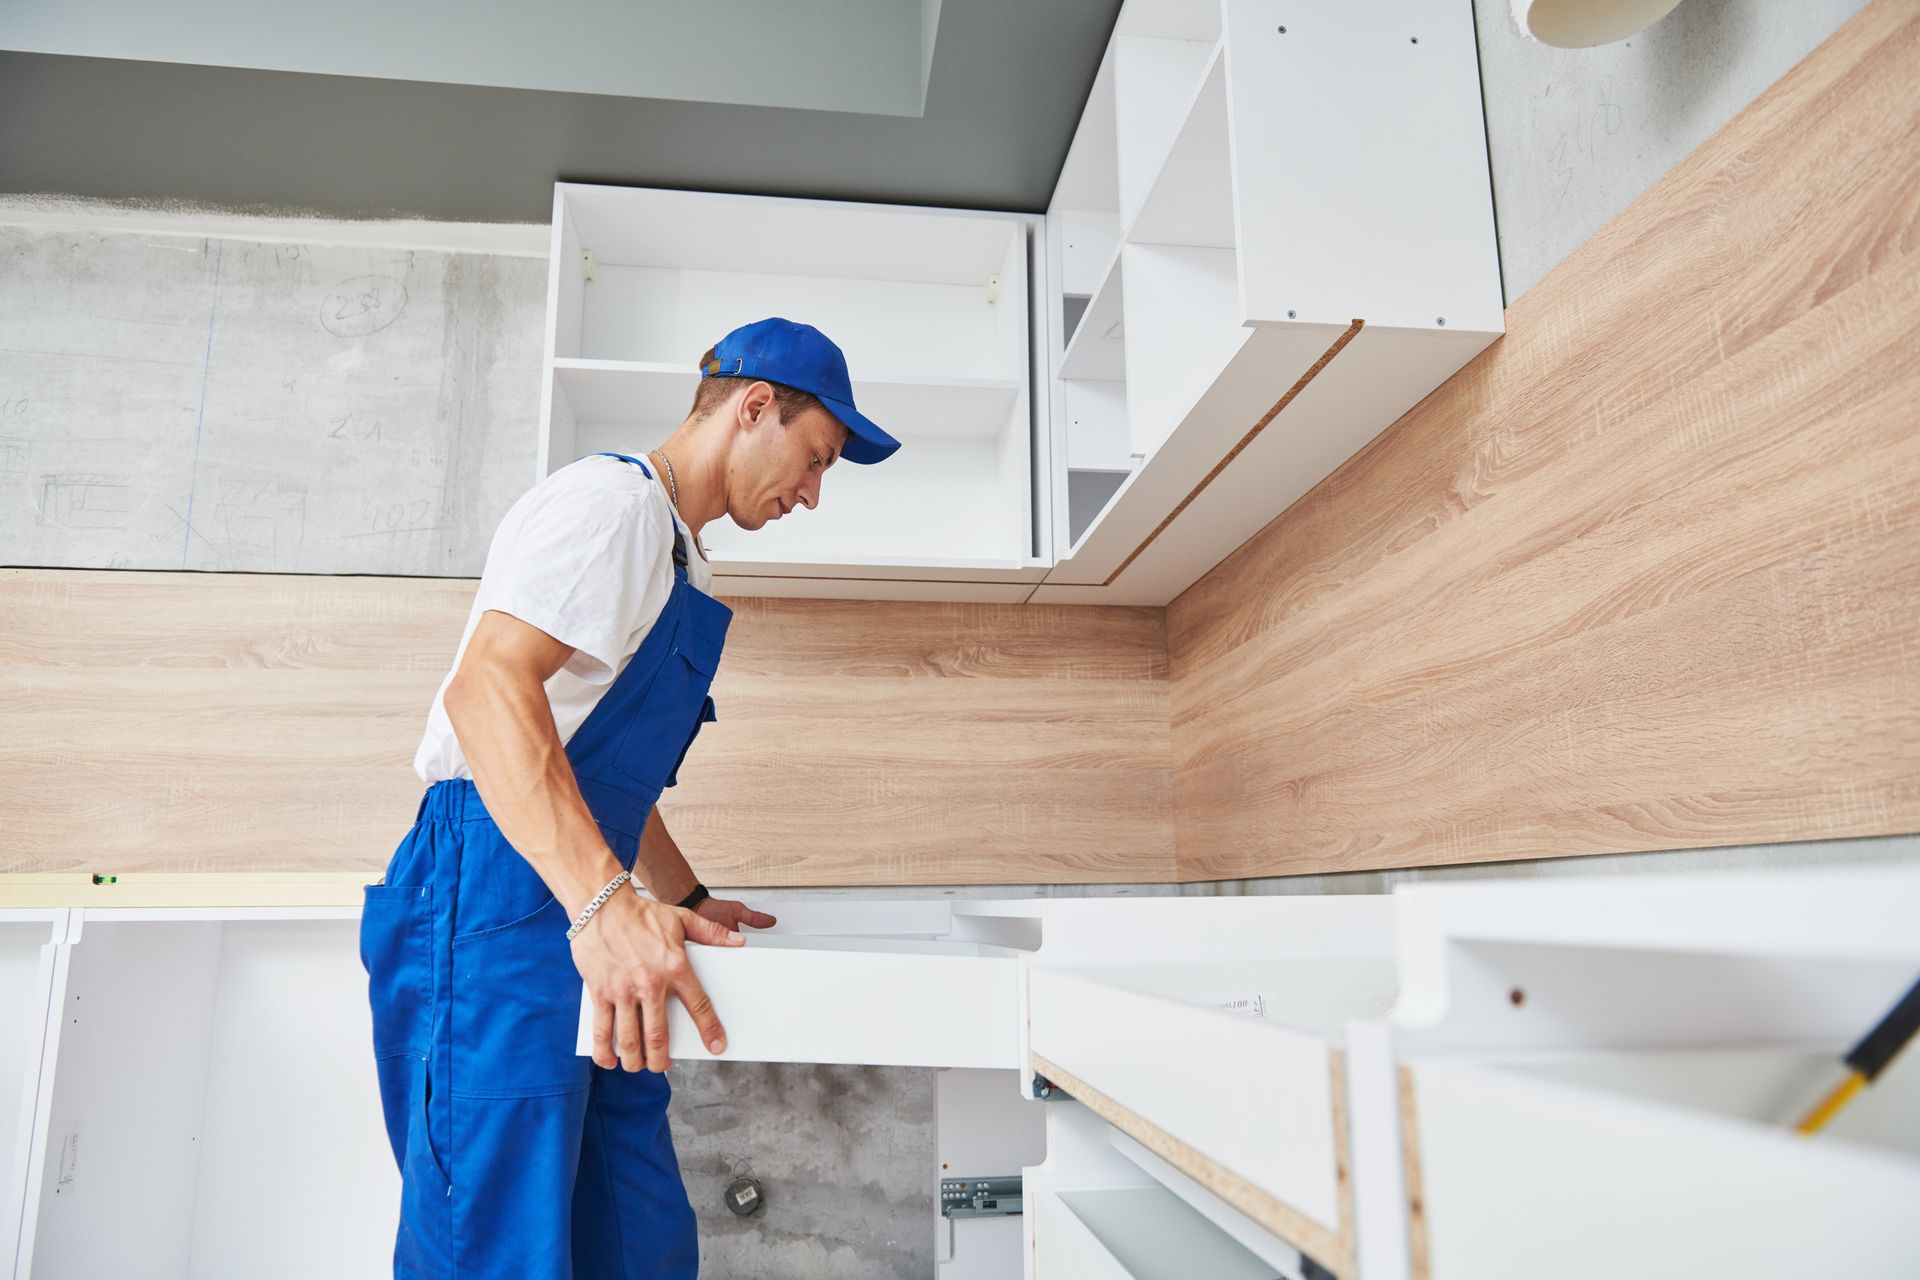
(673, 490)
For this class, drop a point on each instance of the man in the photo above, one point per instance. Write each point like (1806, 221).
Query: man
(579, 685)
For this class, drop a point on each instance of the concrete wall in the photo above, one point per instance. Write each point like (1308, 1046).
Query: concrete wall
(1576, 134)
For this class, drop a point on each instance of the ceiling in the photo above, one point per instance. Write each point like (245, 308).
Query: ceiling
(471, 111)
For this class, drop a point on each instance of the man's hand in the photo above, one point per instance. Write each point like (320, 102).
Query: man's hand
(730, 914)
(633, 956)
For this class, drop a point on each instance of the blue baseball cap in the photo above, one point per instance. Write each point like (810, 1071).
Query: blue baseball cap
(801, 357)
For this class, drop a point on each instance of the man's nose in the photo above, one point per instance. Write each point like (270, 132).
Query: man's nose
(810, 492)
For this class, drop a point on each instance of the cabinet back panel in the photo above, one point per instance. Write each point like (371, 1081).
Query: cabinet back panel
(886, 328)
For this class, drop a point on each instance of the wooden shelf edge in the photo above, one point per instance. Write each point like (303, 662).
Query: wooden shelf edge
(57, 889)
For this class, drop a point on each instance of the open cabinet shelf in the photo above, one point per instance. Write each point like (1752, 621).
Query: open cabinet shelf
(1211, 176)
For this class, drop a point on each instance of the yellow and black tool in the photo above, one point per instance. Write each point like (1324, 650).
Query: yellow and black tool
(1868, 1059)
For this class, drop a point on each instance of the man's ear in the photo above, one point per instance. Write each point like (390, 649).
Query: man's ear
(754, 402)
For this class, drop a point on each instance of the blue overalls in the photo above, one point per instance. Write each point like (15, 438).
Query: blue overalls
(518, 1156)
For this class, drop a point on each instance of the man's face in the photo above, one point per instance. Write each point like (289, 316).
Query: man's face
(776, 465)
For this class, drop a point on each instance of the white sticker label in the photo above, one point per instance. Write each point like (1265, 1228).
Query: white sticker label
(69, 1154)
(1254, 1006)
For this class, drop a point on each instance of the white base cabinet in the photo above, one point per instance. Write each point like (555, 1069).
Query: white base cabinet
(1272, 235)
(1576, 1078)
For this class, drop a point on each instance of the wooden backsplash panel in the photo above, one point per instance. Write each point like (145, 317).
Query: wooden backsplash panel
(164, 721)
(1645, 575)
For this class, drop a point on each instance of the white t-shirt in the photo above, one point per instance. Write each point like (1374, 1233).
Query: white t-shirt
(586, 555)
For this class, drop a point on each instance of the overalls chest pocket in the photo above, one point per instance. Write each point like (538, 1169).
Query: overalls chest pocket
(677, 701)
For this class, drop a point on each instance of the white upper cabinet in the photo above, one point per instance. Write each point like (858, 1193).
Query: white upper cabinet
(1272, 236)
(1250, 179)
(932, 309)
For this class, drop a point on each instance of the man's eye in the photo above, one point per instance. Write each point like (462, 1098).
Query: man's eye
(816, 459)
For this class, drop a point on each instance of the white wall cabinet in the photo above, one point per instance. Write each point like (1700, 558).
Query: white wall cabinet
(1257, 200)
(1569, 1078)
(933, 310)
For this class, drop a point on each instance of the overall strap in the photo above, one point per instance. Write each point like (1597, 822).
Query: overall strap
(679, 542)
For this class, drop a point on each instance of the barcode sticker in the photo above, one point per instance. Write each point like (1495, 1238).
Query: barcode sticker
(1254, 1006)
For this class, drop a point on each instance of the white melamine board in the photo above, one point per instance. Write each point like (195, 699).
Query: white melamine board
(1256, 1238)
(814, 917)
(1854, 913)
(661, 395)
(1170, 19)
(1045, 478)
(566, 285)
(129, 1090)
(296, 1177)
(1012, 300)
(1771, 1086)
(1098, 348)
(882, 568)
(868, 1002)
(1266, 1113)
(1183, 328)
(761, 235)
(1190, 200)
(985, 1125)
(1375, 379)
(1733, 958)
(1574, 997)
(1088, 240)
(1065, 1247)
(1096, 425)
(1375, 1154)
(801, 588)
(560, 441)
(1088, 178)
(1127, 931)
(1078, 1157)
(1261, 373)
(1023, 507)
(1523, 1178)
(1153, 83)
(885, 328)
(28, 957)
(1361, 165)
(1152, 1234)
(1315, 997)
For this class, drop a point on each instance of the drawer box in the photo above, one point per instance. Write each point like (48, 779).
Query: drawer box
(1232, 1073)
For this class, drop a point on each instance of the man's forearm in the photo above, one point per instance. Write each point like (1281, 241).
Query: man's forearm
(663, 868)
(505, 728)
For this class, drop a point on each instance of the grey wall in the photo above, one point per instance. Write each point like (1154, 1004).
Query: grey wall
(1576, 134)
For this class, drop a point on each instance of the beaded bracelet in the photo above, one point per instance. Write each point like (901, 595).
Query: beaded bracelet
(587, 913)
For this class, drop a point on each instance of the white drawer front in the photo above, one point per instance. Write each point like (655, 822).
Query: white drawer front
(876, 1002)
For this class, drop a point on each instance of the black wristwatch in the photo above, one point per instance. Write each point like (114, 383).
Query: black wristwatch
(694, 899)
